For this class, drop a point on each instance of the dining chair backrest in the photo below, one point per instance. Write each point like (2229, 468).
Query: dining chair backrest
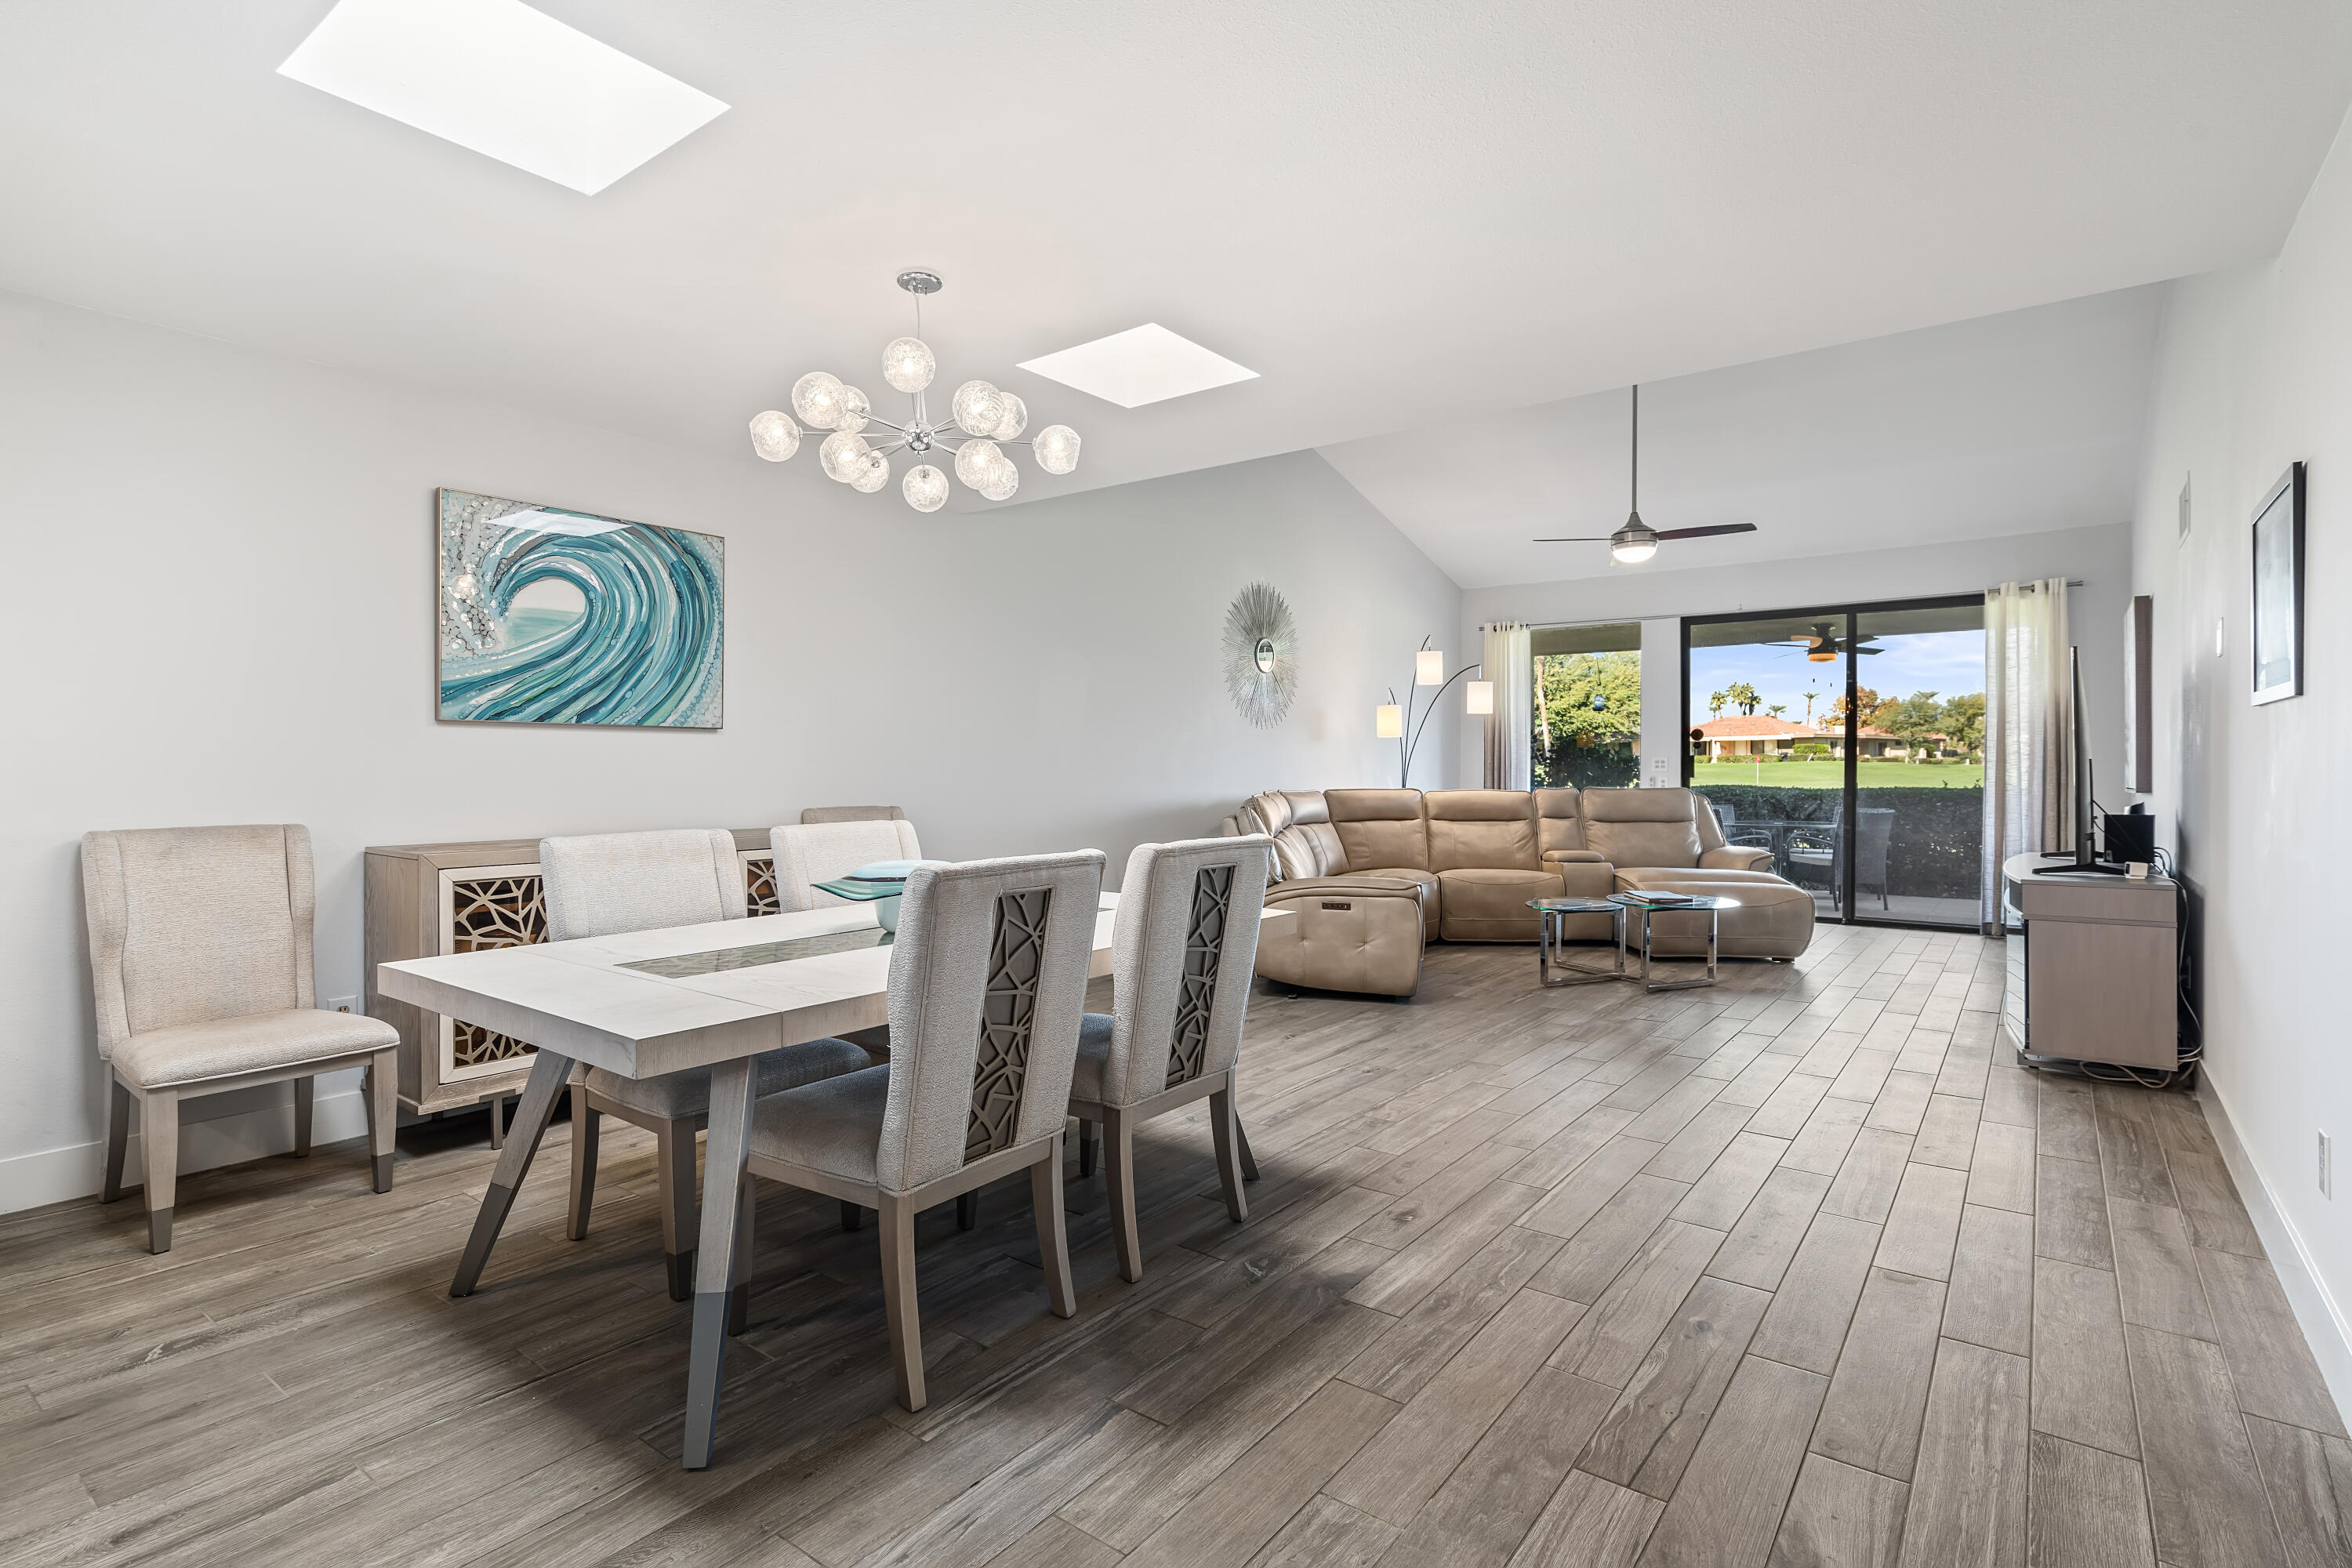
(188, 924)
(600, 884)
(1183, 946)
(817, 852)
(987, 983)
(812, 815)
(1870, 849)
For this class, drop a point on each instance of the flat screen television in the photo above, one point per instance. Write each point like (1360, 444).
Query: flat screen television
(2082, 855)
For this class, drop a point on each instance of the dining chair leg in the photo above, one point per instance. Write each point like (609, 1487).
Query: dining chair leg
(303, 1099)
(586, 1123)
(498, 1103)
(1118, 1178)
(1089, 1148)
(159, 1147)
(118, 1135)
(723, 1179)
(853, 1216)
(1053, 1232)
(1229, 1165)
(1241, 1139)
(382, 1114)
(738, 1294)
(532, 1113)
(899, 1304)
(674, 1182)
(968, 1209)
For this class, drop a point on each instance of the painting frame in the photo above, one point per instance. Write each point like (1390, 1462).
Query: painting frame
(2275, 623)
(548, 615)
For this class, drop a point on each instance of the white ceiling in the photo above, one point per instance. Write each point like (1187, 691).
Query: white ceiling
(1394, 212)
(2008, 423)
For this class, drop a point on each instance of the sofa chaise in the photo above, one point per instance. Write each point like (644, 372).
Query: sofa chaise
(1371, 875)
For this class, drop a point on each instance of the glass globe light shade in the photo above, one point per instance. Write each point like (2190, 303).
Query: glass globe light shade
(854, 410)
(1056, 446)
(1631, 554)
(926, 489)
(816, 398)
(908, 364)
(976, 461)
(1016, 417)
(842, 454)
(873, 473)
(774, 436)
(1003, 479)
(1388, 721)
(979, 408)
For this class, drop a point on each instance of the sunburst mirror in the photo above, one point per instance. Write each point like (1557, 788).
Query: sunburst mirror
(1261, 656)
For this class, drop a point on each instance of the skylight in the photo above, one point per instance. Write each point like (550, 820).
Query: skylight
(505, 81)
(1144, 364)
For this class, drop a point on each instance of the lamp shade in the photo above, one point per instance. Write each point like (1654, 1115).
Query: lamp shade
(1388, 721)
(1429, 667)
(1482, 697)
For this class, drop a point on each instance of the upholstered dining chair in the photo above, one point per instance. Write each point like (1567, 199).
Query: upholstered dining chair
(1183, 946)
(813, 852)
(814, 813)
(988, 982)
(607, 883)
(200, 962)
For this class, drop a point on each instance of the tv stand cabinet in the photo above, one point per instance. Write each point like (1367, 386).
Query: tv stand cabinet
(2094, 977)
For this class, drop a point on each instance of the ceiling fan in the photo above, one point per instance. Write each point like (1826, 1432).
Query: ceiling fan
(1824, 645)
(1637, 541)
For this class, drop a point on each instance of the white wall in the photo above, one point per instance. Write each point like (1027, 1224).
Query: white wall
(219, 608)
(2100, 557)
(2255, 371)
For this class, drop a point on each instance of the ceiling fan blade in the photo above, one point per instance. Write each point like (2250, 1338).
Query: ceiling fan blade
(1580, 539)
(1704, 532)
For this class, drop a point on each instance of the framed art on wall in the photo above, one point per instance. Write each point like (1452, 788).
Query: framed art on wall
(549, 617)
(2278, 590)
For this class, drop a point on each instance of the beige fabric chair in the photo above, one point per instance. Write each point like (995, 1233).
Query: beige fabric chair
(988, 981)
(1183, 945)
(819, 852)
(200, 962)
(607, 883)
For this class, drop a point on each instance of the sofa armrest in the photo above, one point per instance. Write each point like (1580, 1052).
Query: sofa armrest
(1588, 877)
(1737, 858)
(1574, 858)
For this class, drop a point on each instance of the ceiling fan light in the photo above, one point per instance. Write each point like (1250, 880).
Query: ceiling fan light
(1822, 654)
(1632, 551)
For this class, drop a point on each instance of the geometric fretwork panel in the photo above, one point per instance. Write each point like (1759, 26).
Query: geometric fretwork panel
(1204, 940)
(1017, 954)
(759, 887)
(492, 912)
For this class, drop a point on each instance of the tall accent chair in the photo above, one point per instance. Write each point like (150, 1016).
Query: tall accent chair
(607, 883)
(988, 982)
(817, 852)
(200, 960)
(1184, 945)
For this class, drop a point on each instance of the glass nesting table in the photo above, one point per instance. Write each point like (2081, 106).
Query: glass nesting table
(1625, 911)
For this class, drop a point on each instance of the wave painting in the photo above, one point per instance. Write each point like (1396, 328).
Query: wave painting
(560, 617)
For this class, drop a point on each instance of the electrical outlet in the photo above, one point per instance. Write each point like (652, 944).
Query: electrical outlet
(342, 1004)
(2326, 1167)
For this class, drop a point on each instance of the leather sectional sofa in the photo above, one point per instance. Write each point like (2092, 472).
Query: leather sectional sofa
(1371, 874)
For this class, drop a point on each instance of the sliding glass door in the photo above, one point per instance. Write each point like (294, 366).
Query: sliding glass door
(1848, 741)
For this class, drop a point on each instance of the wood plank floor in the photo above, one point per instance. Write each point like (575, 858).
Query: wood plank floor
(1797, 1270)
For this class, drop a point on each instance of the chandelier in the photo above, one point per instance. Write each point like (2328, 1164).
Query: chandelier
(983, 421)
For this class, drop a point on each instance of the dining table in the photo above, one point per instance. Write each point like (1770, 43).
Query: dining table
(641, 1004)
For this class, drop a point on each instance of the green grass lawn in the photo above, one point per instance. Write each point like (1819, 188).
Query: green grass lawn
(1873, 774)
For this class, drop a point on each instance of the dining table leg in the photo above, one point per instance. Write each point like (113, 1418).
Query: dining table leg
(549, 1073)
(723, 1176)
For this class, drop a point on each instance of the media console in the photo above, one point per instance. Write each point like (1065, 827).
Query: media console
(2094, 977)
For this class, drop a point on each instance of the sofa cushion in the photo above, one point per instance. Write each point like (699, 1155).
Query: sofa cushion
(1490, 904)
(1774, 918)
(1378, 827)
(1347, 934)
(1308, 849)
(1482, 828)
(1641, 826)
(1560, 821)
(1277, 809)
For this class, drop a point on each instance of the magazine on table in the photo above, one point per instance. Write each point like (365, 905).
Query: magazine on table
(1656, 900)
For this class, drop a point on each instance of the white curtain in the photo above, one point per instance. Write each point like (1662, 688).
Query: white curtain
(2028, 728)
(1510, 728)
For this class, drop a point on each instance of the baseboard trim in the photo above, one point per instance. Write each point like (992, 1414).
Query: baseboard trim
(79, 1170)
(2325, 1327)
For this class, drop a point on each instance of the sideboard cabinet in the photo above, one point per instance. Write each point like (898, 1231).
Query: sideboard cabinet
(424, 899)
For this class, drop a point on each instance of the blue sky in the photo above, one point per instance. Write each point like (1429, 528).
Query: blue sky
(1945, 663)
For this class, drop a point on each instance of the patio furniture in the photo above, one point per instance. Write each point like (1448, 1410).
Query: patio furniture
(1870, 860)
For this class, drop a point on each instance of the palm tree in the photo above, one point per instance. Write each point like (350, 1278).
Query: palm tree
(1715, 704)
(1777, 710)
